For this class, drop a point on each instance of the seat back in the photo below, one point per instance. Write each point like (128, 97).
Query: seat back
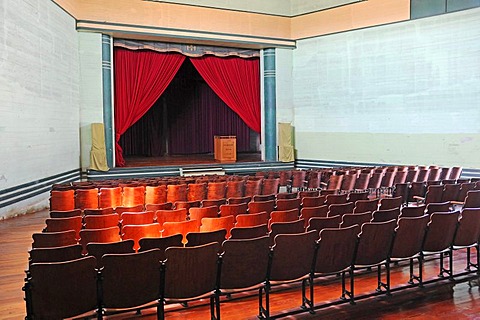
(54, 239)
(249, 232)
(86, 198)
(196, 191)
(288, 204)
(233, 209)
(123, 209)
(340, 209)
(355, 218)
(320, 223)
(110, 197)
(176, 192)
(313, 201)
(238, 200)
(216, 190)
(472, 199)
(468, 232)
(213, 202)
(296, 226)
(310, 212)
(104, 235)
(390, 203)
(200, 238)
(450, 192)
(270, 186)
(283, 216)
(336, 249)
(416, 211)
(212, 224)
(144, 217)
(410, 233)
(98, 212)
(374, 242)
(386, 215)
(235, 189)
(261, 206)
(64, 224)
(55, 254)
(292, 256)
(438, 207)
(184, 282)
(356, 196)
(131, 279)
(252, 219)
(182, 227)
(161, 243)
(441, 230)
(244, 262)
(99, 249)
(62, 200)
(176, 215)
(155, 195)
(49, 291)
(101, 221)
(362, 206)
(203, 212)
(336, 199)
(66, 214)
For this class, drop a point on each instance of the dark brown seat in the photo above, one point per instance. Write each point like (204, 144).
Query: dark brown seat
(48, 289)
(123, 287)
(468, 235)
(386, 215)
(334, 182)
(66, 214)
(238, 200)
(348, 182)
(390, 203)
(416, 211)
(252, 219)
(335, 253)
(409, 236)
(313, 201)
(451, 191)
(356, 196)
(213, 202)
(361, 183)
(340, 209)
(253, 187)
(401, 190)
(158, 206)
(161, 243)
(439, 237)
(54, 239)
(104, 235)
(434, 194)
(249, 232)
(362, 206)
(288, 195)
(98, 212)
(299, 181)
(244, 264)
(233, 209)
(261, 206)
(101, 221)
(99, 249)
(283, 216)
(235, 189)
(336, 199)
(264, 197)
(201, 238)
(187, 204)
(438, 207)
(270, 186)
(292, 260)
(455, 173)
(64, 224)
(289, 227)
(288, 204)
(310, 212)
(55, 254)
(306, 193)
(320, 223)
(184, 283)
(374, 246)
(355, 218)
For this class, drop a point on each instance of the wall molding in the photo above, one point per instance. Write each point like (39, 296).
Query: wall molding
(34, 188)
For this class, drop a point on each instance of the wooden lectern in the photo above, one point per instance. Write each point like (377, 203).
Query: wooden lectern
(225, 148)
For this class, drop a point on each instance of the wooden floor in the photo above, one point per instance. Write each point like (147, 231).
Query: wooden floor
(177, 160)
(442, 300)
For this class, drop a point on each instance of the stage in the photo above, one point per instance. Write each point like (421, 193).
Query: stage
(186, 165)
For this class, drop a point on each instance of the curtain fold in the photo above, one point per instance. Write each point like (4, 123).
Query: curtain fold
(140, 79)
(236, 81)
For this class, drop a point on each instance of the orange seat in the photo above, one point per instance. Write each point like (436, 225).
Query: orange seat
(62, 200)
(64, 224)
(212, 224)
(252, 219)
(137, 232)
(133, 196)
(183, 227)
(86, 198)
(110, 197)
(101, 221)
(155, 194)
(176, 215)
(99, 235)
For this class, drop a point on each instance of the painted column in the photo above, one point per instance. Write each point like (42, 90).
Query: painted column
(107, 98)
(270, 104)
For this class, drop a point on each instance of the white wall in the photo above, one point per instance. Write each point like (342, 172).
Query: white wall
(91, 93)
(401, 93)
(39, 94)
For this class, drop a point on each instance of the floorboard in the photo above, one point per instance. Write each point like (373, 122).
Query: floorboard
(441, 300)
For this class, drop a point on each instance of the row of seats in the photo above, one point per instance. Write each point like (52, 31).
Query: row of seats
(171, 272)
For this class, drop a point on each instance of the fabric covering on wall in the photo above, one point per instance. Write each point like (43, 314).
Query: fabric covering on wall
(98, 153)
(140, 79)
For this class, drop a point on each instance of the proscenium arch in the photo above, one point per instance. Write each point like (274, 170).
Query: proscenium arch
(268, 101)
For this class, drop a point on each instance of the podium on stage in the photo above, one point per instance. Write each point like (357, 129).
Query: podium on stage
(225, 148)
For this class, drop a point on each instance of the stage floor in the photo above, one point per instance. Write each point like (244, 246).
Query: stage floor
(191, 159)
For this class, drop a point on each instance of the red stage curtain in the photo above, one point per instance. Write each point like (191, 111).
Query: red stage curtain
(237, 82)
(140, 79)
